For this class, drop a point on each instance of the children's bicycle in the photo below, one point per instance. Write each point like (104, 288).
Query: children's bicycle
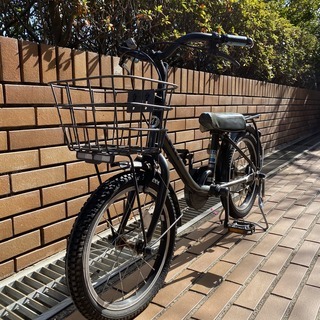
(123, 240)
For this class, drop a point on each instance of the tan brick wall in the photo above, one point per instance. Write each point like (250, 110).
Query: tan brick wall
(43, 186)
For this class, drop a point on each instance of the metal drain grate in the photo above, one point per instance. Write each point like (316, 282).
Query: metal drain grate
(35, 295)
(42, 293)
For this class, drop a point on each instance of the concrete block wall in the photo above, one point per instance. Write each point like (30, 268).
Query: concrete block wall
(43, 186)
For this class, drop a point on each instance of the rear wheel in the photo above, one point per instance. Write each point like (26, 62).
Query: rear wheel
(114, 276)
(233, 165)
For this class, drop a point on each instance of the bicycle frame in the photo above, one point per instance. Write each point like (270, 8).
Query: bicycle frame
(187, 179)
(204, 190)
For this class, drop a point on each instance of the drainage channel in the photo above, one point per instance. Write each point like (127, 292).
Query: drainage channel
(42, 292)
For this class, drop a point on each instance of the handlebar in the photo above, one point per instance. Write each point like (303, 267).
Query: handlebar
(211, 39)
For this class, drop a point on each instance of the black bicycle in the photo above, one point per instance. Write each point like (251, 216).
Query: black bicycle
(123, 240)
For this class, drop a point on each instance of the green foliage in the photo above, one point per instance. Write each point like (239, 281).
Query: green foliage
(285, 32)
(283, 53)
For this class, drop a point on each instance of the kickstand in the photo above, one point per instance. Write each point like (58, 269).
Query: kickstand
(262, 178)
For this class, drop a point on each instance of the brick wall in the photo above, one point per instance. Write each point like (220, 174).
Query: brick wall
(43, 186)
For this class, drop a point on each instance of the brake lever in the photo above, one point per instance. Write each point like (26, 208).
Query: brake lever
(127, 45)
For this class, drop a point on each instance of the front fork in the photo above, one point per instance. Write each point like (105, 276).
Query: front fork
(161, 196)
(141, 245)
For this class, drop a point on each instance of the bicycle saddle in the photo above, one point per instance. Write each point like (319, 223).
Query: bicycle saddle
(222, 122)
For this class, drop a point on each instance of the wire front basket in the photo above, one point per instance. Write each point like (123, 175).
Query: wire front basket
(105, 116)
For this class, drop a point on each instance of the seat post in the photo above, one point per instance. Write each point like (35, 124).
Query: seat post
(212, 150)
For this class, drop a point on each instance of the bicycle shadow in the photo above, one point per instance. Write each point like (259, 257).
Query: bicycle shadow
(214, 240)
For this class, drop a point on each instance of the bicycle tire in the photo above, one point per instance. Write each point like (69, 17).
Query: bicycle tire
(231, 165)
(102, 277)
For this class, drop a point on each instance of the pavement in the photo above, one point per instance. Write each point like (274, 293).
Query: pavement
(273, 274)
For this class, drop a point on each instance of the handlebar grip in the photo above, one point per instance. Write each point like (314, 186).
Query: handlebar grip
(237, 41)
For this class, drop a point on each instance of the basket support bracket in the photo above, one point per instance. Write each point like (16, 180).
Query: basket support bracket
(98, 173)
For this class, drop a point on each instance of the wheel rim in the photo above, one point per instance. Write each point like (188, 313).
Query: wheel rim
(120, 277)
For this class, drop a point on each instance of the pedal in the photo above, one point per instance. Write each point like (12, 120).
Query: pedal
(243, 227)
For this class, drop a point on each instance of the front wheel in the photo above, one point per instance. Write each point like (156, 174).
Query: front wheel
(233, 165)
(112, 274)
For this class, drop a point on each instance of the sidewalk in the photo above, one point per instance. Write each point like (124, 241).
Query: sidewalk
(267, 275)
